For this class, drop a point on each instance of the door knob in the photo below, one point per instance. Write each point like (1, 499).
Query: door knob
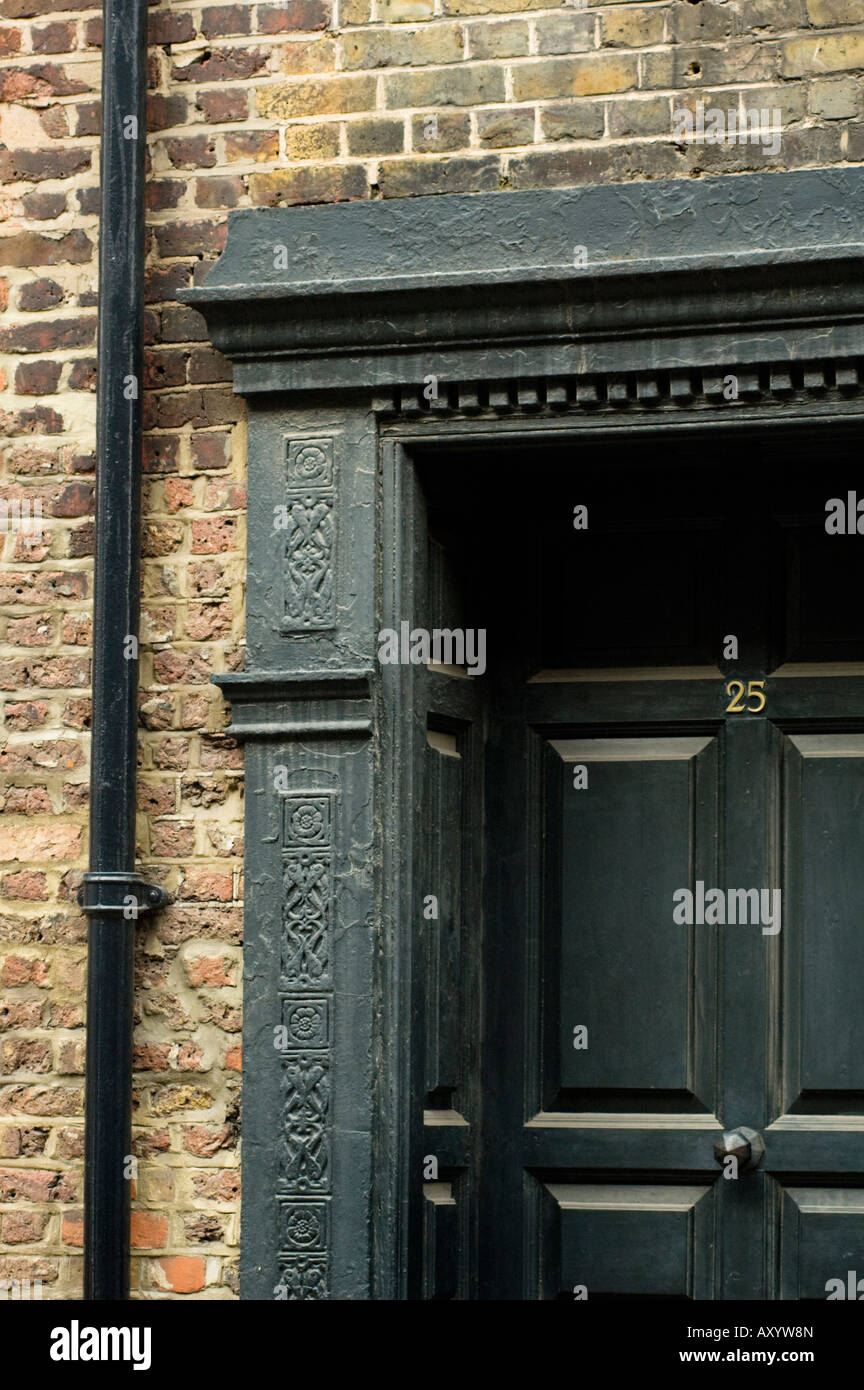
(742, 1144)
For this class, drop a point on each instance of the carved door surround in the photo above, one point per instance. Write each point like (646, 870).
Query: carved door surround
(398, 326)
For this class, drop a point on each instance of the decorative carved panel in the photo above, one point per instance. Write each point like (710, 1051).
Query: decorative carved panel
(309, 536)
(304, 1150)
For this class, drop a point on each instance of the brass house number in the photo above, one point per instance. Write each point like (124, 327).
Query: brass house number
(754, 691)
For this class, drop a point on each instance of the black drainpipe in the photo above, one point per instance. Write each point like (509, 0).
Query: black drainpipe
(113, 895)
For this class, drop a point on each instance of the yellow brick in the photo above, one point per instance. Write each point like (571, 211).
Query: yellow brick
(573, 77)
(826, 12)
(493, 7)
(829, 53)
(322, 96)
(312, 141)
(319, 55)
(633, 28)
(403, 11)
(396, 48)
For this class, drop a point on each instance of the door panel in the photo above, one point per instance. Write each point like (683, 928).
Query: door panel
(611, 943)
(638, 1241)
(619, 1043)
(824, 980)
(823, 1240)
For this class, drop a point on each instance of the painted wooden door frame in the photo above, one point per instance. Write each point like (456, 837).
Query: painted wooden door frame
(360, 332)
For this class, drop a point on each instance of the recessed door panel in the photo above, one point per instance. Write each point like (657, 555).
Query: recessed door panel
(824, 928)
(622, 830)
(823, 1243)
(629, 1240)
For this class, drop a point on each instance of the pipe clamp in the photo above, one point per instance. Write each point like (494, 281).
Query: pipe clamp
(123, 895)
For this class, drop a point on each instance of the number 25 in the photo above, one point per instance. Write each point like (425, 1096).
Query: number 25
(755, 691)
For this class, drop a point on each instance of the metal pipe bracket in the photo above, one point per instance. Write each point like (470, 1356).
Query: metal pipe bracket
(125, 895)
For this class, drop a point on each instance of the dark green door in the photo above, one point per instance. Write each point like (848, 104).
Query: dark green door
(673, 900)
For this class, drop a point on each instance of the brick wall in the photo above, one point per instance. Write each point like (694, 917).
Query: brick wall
(252, 104)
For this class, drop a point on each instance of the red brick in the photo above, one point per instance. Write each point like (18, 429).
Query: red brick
(164, 282)
(294, 16)
(33, 631)
(44, 207)
(206, 885)
(28, 249)
(42, 81)
(82, 541)
(206, 1140)
(164, 367)
(207, 365)
(17, 587)
(22, 1228)
(166, 28)
(163, 193)
(213, 536)
(160, 454)
(39, 378)
(35, 1185)
(82, 377)
(38, 295)
(70, 1143)
(51, 754)
(25, 715)
(227, 104)
(75, 499)
(53, 38)
(190, 1057)
(212, 971)
(220, 21)
(211, 450)
(65, 1016)
(28, 801)
(203, 1229)
(55, 122)
(181, 668)
(26, 9)
(195, 238)
(223, 65)
(25, 1055)
(222, 1185)
(191, 152)
(46, 337)
(29, 885)
(24, 970)
(18, 166)
(179, 493)
(40, 420)
(182, 325)
(208, 621)
(23, 1013)
(161, 538)
(152, 1057)
(217, 193)
(156, 798)
(72, 1229)
(220, 753)
(163, 112)
(77, 712)
(172, 840)
(147, 1230)
(183, 1273)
